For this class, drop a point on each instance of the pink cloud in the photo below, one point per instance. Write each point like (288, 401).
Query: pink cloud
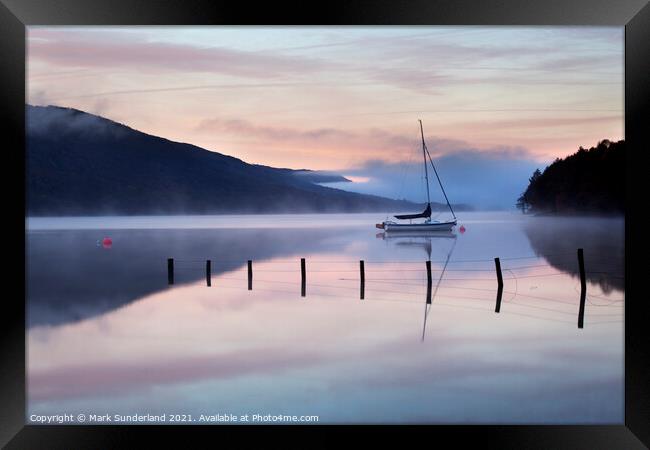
(79, 49)
(383, 144)
(547, 122)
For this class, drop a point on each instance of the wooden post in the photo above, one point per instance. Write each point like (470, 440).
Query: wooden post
(208, 272)
(303, 274)
(497, 264)
(429, 282)
(583, 288)
(250, 275)
(170, 270)
(362, 278)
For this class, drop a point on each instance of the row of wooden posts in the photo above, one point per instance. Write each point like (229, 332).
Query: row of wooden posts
(362, 280)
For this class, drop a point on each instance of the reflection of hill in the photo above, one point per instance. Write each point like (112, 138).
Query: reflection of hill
(603, 241)
(71, 278)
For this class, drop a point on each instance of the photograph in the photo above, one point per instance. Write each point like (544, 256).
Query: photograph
(381, 221)
(325, 225)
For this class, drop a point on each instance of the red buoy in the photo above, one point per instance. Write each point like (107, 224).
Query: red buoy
(107, 242)
(462, 228)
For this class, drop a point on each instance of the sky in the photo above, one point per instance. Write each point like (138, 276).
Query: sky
(496, 102)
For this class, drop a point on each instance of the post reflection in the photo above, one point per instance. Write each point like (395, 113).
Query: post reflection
(239, 344)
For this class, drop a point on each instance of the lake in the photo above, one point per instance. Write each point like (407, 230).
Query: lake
(107, 334)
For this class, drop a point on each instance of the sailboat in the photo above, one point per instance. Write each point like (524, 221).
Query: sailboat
(428, 224)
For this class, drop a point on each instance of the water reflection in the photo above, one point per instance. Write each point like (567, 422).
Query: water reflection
(223, 349)
(423, 240)
(603, 241)
(427, 308)
(420, 239)
(71, 278)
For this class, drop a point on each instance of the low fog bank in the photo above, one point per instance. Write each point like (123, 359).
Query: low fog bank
(482, 181)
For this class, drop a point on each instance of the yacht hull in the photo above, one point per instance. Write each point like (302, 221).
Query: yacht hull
(418, 227)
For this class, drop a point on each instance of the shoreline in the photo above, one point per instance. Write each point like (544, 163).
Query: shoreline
(586, 215)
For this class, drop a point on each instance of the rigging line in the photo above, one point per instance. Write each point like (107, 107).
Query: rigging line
(438, 177)
(424, 156)
(440, 183)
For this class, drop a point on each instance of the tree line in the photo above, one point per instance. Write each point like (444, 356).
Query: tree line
(587, 181)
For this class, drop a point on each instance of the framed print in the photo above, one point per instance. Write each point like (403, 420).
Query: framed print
(391, 218)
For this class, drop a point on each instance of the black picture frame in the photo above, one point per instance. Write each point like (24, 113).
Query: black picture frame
(15, 15)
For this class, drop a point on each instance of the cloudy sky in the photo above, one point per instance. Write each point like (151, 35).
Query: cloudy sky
(496, 102)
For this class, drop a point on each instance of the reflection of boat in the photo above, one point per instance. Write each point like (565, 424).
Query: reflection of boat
(413, 239)
(418, 239)
(428, 224)
(416, 234)
(430, 297)
(424, 240)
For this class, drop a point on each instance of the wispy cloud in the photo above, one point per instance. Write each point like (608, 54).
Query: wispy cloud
(546, 122)
(194, 87)
(87, 49)
(243, 127)
(336, 139)
(334, 98)
(399, 146)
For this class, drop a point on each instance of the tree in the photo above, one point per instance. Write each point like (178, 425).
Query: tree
(536, 175)
(524, 200)
(590, 180)
(522, 203)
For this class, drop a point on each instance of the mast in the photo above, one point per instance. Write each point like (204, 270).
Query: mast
(424, 155)
(425, 149)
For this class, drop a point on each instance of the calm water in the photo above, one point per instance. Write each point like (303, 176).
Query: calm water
(107, 335)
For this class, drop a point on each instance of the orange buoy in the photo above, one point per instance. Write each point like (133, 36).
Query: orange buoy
(107, 242)
(462, 228)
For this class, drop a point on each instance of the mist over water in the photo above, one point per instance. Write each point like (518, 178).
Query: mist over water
(107, 334)
(481, 181)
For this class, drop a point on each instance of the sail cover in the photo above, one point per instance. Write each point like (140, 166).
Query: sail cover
(425, 213)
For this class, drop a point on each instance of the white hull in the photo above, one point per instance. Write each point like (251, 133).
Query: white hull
(425, 235)
(411, 227)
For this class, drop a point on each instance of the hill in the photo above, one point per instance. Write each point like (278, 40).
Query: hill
(83, 164)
